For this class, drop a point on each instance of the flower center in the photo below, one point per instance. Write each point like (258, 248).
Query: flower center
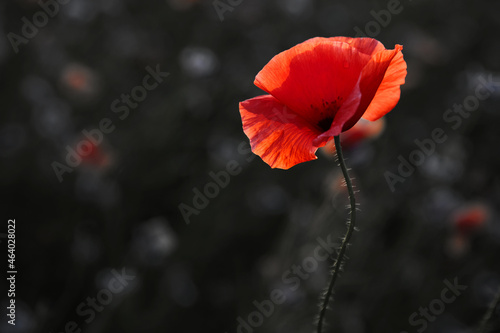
(325, 124)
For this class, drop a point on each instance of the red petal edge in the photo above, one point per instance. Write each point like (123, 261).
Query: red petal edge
(278, 135)
(388, 92)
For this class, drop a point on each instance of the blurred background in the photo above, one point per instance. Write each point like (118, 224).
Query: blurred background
(120, 127)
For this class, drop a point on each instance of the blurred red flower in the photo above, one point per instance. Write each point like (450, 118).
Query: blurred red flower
(318, 89)
(466, 221)
(95, 156)
(363, 130)
(470, 218)
(80, 80)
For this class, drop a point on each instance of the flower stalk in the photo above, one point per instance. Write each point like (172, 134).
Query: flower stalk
(483, 325)
(337, 266)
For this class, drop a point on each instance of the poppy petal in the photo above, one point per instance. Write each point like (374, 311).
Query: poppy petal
(372, 77)
(345, 114)
(364, 45)
(388, 93)
(314, 78)
(279, 136)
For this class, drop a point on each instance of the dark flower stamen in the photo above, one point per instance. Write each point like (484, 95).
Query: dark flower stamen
(325, 124)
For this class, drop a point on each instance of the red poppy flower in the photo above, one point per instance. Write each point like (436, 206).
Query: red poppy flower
(465, 222)
(95, 156)
(470, 218)
(318, 89)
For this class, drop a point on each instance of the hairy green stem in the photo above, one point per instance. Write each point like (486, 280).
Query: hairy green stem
(483, 326)
(350, 229)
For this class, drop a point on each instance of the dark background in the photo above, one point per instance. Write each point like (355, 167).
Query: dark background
(119, 208)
